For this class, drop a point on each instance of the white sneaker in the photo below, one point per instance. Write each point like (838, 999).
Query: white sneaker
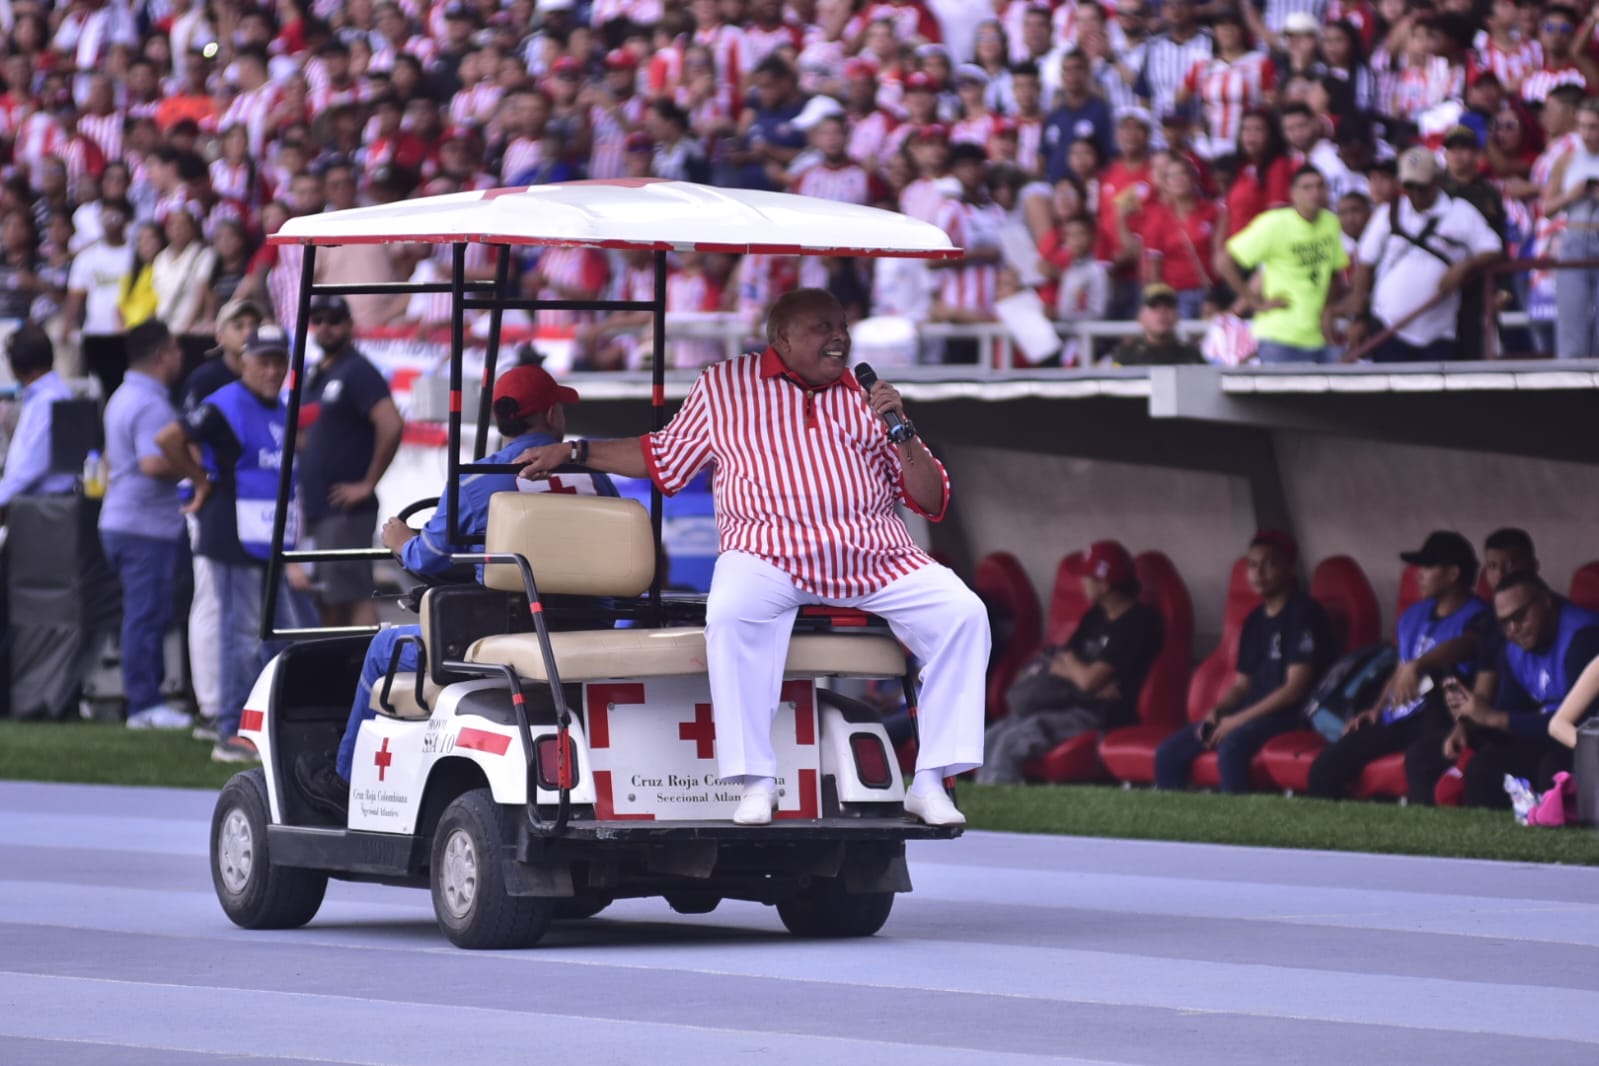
(160, 716)
(933, 808)
(756, 808)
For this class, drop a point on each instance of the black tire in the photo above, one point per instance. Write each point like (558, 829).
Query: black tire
(254, 893)
(823, 910)
(692, 902)
(579, 907)
(469, 893)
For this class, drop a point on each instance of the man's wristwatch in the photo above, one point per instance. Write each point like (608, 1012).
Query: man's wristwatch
(580, 452)
(903, 433)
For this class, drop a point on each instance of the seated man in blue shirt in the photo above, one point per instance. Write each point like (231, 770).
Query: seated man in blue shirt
(528, 411)
(1440, 634)
(1549, 641)
(1286, 645)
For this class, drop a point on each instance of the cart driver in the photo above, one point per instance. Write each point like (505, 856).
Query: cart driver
(806, 489)
(529, 412)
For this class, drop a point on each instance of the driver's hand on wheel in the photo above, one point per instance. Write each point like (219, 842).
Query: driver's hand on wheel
(395, 535)
(538, 461)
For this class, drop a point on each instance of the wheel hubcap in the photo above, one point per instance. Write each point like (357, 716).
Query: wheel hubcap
(235, 851)
(458, 878)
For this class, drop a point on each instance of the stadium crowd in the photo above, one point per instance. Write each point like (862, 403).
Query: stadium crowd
(1079, 152)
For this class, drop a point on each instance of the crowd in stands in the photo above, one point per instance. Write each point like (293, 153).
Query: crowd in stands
(1492, 675)
(1077, 151)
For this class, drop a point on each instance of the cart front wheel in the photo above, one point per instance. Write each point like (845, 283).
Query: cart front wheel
(254, 893)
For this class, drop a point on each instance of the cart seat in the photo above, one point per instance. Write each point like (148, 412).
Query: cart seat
(680, 652)
(602, 546)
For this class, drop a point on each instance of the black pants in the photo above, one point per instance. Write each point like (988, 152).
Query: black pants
(1495, 754)
(1419, 735)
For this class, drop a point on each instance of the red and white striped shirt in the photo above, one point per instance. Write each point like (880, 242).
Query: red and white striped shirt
(848, 183)
(1510, 65)
(868, 136)
(759, 43)
(608, 158)
(474, 105)
(521, 156)
(814, 493)
(1029, 143)
(250, 110)
(923, 199)
(105, 131)
(971, 226)
(571, 268)
(975, 130)
(727, 45)
(1226, 90)
(236, 182)
(1538, 84)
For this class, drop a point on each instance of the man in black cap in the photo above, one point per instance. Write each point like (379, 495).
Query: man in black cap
(1159, 345)
(352, 433)
(1438, 638)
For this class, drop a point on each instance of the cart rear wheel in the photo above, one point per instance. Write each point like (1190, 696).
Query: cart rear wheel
(823, 909)
(693, 902)
(469, 894)
(254, 893)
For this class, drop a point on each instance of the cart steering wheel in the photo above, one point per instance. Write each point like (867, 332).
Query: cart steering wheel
(456, 575)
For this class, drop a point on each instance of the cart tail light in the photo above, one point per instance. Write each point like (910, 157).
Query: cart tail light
(871, 760)
(548, 752)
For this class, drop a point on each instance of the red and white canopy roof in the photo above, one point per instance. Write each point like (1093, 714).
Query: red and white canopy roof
(631, 213)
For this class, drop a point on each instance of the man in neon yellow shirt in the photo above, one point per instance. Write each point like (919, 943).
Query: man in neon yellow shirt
(1301, 255)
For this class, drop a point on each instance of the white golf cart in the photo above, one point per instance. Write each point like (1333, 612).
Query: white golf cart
(555, 751)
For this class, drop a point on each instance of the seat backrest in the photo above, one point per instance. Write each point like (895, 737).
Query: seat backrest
(1409, 591)
(1215, 673)
(1067, 604)
(1341, 587)
(1585, 586)
(576, 545)
(1160, 701)
(1005, 589)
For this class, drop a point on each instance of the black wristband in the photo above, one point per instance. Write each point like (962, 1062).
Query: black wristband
(580, 452)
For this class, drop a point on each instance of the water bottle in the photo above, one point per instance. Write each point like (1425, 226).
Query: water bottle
(94, 476)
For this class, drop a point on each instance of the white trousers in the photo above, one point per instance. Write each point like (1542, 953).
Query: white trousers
(205, 644)
(750, 616)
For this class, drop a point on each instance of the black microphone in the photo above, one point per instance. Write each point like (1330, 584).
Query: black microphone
(899, 430)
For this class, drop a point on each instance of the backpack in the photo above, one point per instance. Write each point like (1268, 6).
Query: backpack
(1349, 686)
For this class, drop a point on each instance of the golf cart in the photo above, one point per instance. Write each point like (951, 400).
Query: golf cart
(555, 750)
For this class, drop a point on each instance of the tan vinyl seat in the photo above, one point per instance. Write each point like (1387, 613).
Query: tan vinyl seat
(678, 652)
(602, 546)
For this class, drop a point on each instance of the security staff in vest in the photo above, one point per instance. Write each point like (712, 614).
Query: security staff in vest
(1549, 641)
(1437, 635)
(241, 425)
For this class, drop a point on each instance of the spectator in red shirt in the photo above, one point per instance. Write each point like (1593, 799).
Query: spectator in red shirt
(1180, 236)
(1264, 171)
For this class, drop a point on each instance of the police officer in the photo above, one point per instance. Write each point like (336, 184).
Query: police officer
(240, 428)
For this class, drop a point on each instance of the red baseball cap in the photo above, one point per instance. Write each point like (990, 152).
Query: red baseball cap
(533, 390)
(859, 68)
(917, 81)
(931, 131)
(1106, 561)
(1285, 544)
(620, 59)
(565, 63)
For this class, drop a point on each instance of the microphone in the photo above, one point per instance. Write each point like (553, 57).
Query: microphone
(899, 430)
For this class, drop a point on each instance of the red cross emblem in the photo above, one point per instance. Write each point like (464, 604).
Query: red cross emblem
(382, 758)
(557, 486)
(702, 731)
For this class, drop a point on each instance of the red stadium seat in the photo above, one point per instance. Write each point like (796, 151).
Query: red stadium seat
(1160, 701)
(1067, 604)
(1003, 585)
(1409, 592)
(1585, 586)
(1340, 586)
(1383, 778)
(1129, 754)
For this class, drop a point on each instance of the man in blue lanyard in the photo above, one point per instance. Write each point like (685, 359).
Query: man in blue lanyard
(241, 429)
(528, 411)
(1548, 643)
(1438, 635)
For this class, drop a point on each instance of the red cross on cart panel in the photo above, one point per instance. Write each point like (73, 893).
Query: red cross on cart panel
(653, 748)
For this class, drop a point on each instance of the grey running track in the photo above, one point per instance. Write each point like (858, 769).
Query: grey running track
(1012, 950)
